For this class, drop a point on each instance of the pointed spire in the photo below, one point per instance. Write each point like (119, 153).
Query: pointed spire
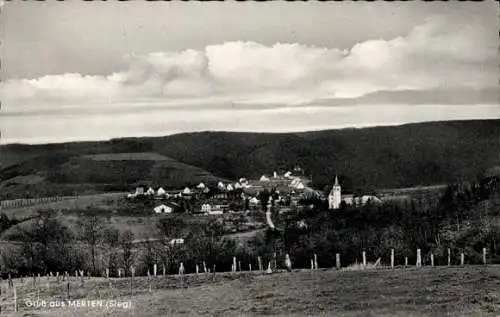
(336, 180)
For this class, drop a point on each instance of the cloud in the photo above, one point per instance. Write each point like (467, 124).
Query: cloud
(439, 54)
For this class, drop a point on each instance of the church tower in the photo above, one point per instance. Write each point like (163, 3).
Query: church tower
(335, 196)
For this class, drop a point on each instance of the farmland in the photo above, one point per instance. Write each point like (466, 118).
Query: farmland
(440, 291)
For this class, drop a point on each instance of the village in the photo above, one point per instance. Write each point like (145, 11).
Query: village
(241, 205)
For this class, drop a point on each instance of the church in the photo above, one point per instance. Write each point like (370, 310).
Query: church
(335, 197)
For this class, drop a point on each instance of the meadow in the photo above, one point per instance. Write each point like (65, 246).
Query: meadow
(426, 291)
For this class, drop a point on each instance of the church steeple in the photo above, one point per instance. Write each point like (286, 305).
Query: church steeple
(335, 196)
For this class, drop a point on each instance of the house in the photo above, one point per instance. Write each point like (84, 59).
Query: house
(150, 191)
(186, 191)
(201, 186)
(264, 178)
(161, 192)
(229, 187)
(163, 209)
(176, 241)
(206, 208)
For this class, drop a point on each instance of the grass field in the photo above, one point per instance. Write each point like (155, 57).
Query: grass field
(441, 291)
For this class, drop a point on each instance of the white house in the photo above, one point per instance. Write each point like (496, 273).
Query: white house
(161, 192)
(186, 191)
(206, 208)
(163, 209)
(201, 186)
(150, 191)
(176, 241)
(229, 187)
(264, 178)
(221, 185)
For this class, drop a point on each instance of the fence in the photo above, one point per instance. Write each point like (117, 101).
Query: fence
(26, 292)
(26, 202)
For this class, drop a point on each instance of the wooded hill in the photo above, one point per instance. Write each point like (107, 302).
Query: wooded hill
(366, 159)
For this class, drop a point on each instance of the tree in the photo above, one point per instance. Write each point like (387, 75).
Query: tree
(92, 231)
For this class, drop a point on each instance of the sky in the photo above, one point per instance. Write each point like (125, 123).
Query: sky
(98, 70)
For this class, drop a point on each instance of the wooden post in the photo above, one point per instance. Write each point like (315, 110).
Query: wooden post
(337, 261)
(419, 258)
(364, 259)
(432, 259)
(68, 288)
(392, 258)
(165, 270)
(484, 256)
(58, 278)
(82, 279)
(11, 284)
(312, 264)
(197, 269)
(462, 259)
(274, 262)
(132, 274)
(234, 264)
(239, 266)
(15, 299)
(214, 273)
(107, 273)
(154, 269)
(315, 261)
(119, 273)
(250, 267)
(449, 257)
(406, 261)
(259, 259)
(204, 267)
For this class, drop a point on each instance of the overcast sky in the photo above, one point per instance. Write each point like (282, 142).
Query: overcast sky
(96, 70)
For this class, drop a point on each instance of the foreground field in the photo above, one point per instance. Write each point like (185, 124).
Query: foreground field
(468, 291)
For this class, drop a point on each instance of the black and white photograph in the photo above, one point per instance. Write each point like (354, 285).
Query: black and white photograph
(249, 158)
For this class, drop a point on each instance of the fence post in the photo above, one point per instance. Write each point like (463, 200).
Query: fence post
(364, 259)
(274, 261)
(15, 299)
(315, 261)
(82, 278)
(214, 272)
(239, 266)
(312, 264)
(154, 269)
(204, 267)
(406, 261)
(119, 273)
(250, 267)
(165, 270)
(132, 274)
(259, 259)
(484, 256)
(419, 258)
(462, 259)
(449, 257)
(107, 273)
(57, 277)
(197, 269)
(234, 264)
(68, 288)
(337, 260)
(392, 258)
(432, 259)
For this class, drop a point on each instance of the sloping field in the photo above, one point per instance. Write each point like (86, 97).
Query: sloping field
(468, 291)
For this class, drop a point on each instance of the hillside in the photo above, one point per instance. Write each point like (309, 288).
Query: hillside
(366, 159)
